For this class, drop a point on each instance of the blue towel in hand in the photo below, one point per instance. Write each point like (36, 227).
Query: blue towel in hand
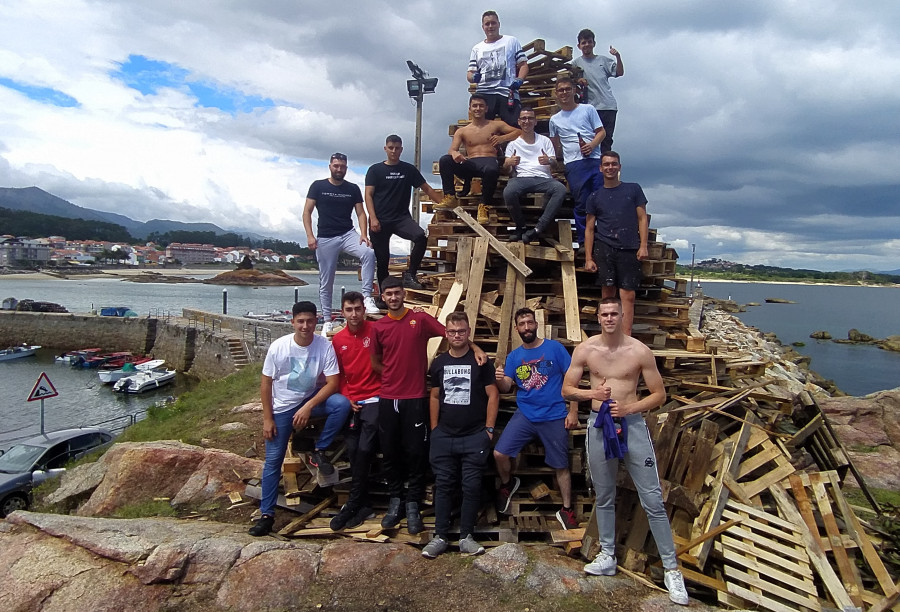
(615, 443)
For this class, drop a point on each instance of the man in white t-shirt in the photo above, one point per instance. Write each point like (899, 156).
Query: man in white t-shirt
(300, 380)
(498, 67)
(532, 157)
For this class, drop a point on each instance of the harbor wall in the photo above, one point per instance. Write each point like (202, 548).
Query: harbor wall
(203, 353)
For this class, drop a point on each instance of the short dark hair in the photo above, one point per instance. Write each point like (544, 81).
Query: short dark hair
(477, 96)
(611, 153)
(393, 138)
(303, 306)
(586, 34)
(390, 282)
(527, 109)
(521, 312)
(609, 300)
(458, 316)
(490, 14)
(561, 80)
(351, 297)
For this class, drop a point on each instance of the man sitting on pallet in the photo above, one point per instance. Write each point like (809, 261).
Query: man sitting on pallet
(615, 236)
(532, 157)
(481, 138)
(616, 430)
(291, 394)
(536, 368)
(463, 409)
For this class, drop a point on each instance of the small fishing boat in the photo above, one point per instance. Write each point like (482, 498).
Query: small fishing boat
(109, 376)
(71, 357)
(16, 352)
(144, 381)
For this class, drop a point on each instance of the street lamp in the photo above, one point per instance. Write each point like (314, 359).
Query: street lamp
(417, 87)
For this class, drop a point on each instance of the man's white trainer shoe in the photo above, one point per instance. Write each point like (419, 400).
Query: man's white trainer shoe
(371, 308)
(675, 584)
(602, 565)
(327, 326)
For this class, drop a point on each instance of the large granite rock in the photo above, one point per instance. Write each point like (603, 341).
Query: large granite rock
(135, 472)
(869, 427)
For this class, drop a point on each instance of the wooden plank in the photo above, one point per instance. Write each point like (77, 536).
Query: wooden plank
(727, 545)
(757, 598)
(475, 279)
(570, 285)
(299, 522)
(817, 557)
(506, 314)
(449, 306)
(498, 246)
(560, 536)
(770, 588)
(463, 259)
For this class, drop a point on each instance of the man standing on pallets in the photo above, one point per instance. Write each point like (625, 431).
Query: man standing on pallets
(389, 185)
(481, 139)
(291, 393)
(617, 431)
(536, 368)
(498, 67)
(576, 130)
(464, 404)
(400, 355)
(335, 199)
(362, 386)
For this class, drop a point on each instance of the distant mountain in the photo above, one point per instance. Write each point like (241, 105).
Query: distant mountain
(36, 200)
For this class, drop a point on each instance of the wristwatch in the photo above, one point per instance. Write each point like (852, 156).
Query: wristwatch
(490, 430)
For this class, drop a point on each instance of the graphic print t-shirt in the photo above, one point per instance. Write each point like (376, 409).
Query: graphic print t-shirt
(538, 374)
(334, 203)
(297, 372)
(463, 400)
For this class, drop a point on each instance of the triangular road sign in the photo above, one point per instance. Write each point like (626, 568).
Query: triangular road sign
(43, 389)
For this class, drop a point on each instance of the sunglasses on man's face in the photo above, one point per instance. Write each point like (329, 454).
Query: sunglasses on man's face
(339, 157)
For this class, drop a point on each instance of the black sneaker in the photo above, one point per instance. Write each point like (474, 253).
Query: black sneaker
(382, 305)
(317, 459)
(361, 516)
(516, 236)
(392, 516)
(414, 522)
(410, 282)
(530, 236)
(342, 518)
(505, 493)
(262, 527)
(566, 518)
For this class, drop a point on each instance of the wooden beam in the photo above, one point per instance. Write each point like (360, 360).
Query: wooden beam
(475, 279)
(570, 285)
(498, 246)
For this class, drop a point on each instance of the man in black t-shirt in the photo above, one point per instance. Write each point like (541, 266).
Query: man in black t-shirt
(464, 404)
(389, 185)
(335, 199)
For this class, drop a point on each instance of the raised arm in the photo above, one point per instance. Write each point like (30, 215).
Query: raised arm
(620, 67)
(307, 223)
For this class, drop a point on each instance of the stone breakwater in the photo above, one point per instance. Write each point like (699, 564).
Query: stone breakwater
(785, 367)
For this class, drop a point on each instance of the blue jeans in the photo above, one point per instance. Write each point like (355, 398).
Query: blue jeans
(334, 409)
(583, 176)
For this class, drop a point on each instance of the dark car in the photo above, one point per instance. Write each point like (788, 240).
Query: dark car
(36, 459)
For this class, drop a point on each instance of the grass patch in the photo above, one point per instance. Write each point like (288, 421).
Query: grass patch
(863, 448)
(884, 497)
(145, 509)
(197, 413)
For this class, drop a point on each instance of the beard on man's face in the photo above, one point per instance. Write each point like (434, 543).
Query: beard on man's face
(528, 336)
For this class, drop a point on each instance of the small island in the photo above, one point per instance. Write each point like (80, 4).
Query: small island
(246, 275)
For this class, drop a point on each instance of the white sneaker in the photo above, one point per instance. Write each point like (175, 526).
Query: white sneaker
(371, 308)
(602, 565)
(675, 584)
(327, 327)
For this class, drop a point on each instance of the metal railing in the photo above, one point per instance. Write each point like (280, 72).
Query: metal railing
(205, 323)
(259, 336)
(159, 313)
(115, 425)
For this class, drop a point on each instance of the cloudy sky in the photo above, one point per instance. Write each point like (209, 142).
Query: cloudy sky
(764, 131)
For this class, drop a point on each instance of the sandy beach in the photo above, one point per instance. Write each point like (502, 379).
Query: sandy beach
(126, 272)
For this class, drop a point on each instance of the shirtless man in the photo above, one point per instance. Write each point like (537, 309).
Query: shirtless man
(616, 363)
(481, 139)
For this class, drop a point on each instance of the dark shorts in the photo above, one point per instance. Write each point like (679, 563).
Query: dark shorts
(553, 435)
(617, 267)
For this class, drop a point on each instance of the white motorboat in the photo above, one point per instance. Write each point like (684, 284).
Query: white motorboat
(144, 381)
(15, 352)
(107, 377)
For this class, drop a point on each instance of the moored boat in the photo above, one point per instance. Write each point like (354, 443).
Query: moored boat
(71, 357)
(109, 376)
(16, 352)
(144, 381)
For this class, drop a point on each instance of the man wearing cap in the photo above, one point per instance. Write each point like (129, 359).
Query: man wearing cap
(334, 199)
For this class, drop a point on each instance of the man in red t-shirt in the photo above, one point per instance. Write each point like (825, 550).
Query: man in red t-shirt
(399, 354)
(362, 386)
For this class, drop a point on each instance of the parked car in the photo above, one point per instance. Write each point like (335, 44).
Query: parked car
(44, 456)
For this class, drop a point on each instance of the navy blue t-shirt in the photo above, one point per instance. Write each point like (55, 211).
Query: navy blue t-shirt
(615, 210)
(538, 373)
(335, 204)
(393, 188)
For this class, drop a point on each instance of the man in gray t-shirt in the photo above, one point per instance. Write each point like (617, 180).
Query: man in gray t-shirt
(598, 69)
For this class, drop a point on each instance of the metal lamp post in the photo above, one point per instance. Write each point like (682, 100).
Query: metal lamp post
(417, 87)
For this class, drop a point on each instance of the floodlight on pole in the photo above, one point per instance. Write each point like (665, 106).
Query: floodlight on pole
(417, 87)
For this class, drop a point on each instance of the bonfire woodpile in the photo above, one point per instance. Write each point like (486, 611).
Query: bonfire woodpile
(751, 529)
